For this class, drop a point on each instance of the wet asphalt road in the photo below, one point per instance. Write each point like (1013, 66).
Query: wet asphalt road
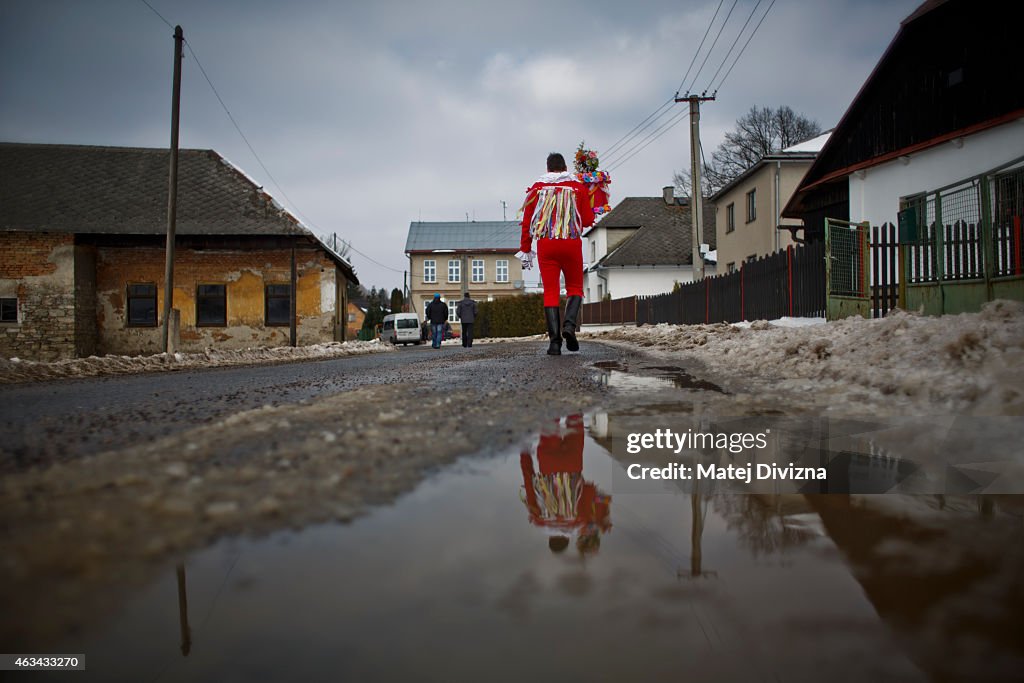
(52, 421)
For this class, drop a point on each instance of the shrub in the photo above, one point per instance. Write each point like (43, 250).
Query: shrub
(511, 316)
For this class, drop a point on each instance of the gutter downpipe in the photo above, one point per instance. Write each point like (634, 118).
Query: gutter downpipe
(778, 216)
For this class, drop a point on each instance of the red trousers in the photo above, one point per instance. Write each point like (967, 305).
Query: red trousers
(560, 256)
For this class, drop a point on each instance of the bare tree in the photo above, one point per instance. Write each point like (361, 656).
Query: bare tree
(759, 132)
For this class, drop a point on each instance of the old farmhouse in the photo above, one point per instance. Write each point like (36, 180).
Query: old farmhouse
(82, 243)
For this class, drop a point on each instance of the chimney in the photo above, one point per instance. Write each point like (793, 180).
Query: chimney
(668, 193)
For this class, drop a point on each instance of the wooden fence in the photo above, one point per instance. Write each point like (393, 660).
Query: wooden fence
(789, 283)
(786, 283)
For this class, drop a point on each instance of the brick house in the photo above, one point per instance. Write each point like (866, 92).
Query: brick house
(82, 241)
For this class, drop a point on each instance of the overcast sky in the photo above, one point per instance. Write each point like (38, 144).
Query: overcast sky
(373, 114)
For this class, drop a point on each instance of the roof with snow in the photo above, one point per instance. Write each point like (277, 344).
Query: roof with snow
(123, 190)
(455, 236)
(664, 235)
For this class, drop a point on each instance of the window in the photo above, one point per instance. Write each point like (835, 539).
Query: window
(752, 205)
(430, 271)
(730, 267)
(278, 300)
(212, 305)
(454, 270)
(478, 270)
(600, 291)
(8, 310)
(730, 218)
(351, 317)
(451, 310)
(593, 251)
(142, 305)
(501, 270)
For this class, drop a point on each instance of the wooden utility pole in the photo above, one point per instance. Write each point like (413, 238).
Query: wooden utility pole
(186, 632)
(293, 322)
(172, 188)
(696, 196)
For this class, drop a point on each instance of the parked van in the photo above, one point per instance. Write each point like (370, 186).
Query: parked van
(401, 328)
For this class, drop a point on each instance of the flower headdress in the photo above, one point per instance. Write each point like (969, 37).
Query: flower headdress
(585, 159)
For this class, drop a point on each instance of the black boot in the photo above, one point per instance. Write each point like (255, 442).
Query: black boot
(551, 317)
(572, 314)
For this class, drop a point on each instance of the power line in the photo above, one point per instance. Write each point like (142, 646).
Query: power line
(630, 134)
(156, 13)
(712, 48)
(252, 150)
(614, 159)
(695, 54)
(749, 38)
(667, 126)
(733, 46)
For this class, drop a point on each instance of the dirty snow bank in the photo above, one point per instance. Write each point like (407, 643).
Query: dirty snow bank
(972, 362)
(16, 370)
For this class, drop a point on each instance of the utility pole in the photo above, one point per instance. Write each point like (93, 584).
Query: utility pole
(696, 197)
(503, 205)
(172, 189)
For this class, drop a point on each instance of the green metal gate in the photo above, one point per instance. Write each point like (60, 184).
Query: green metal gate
(961, 245)
(847, 274)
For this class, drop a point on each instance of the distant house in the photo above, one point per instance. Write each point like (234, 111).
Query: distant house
(748, 209)
(643, 246)
(450, 258)
(939, 108)
(82, 243)
(354, 317)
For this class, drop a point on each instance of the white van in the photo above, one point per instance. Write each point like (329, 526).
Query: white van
(401, 328)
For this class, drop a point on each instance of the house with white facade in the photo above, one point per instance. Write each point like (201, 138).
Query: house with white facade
(643, 246)
(934, 143)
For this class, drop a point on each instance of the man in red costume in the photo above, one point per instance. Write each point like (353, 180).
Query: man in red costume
(556, 211)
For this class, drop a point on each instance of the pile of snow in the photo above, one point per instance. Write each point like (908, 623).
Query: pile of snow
(17, 370)
(972, 362)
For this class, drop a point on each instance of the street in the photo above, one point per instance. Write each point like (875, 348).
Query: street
(344, 491)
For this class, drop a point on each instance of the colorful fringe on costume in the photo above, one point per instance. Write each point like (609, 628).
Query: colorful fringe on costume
(558, 495)
(555, 216)
(597, 185)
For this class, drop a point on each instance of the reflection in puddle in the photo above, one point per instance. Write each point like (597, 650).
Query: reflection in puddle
(455, 582)
(558, 498)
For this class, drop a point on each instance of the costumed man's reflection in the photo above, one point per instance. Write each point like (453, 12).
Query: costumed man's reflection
(557, 497)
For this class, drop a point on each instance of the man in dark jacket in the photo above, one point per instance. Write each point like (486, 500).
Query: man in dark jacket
(437, 314)
(465, 311)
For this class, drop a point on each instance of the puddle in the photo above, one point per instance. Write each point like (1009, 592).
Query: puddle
(665, 377)
(531, 565)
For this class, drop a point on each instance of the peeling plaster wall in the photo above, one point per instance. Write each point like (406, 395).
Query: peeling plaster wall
(39, 270)
(244, 272)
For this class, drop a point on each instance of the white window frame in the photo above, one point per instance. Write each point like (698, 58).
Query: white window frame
(477, 263)
(430, 270)
(752, 205)
(730, 217)
(451, 311)
(500, 266)
(454, 269)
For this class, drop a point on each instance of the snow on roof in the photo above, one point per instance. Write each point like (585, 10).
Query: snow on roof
(812, 145)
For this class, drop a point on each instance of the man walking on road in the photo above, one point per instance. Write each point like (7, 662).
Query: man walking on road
(437, 314)
(466, 312)
(556, 212)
